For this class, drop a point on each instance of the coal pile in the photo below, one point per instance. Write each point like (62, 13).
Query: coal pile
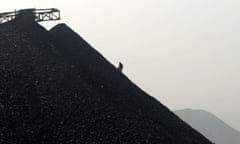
(56, 89)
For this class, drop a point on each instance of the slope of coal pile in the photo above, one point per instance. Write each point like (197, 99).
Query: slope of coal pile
(56, 89)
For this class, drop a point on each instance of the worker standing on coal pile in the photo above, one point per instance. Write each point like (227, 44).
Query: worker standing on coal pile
(120, 67)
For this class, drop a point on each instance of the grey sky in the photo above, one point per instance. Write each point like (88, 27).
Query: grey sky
(183, 52)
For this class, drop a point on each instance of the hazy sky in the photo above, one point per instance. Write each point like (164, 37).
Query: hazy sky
(186, 53)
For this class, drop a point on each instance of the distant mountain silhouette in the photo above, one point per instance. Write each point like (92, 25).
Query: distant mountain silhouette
(210, 126)
(56, 89)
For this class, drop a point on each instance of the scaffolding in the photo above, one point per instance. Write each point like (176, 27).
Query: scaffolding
(38, 15)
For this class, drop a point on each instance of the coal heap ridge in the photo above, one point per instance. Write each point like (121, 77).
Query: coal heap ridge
(55, 88)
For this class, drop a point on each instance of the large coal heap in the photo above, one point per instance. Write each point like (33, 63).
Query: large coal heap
(56, 89)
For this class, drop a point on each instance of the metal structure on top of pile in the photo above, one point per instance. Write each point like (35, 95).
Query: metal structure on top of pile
(37, 15)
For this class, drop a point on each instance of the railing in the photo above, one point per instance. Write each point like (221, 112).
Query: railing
(38, 15)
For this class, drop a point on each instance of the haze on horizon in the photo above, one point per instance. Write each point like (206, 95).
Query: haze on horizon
(183, 52)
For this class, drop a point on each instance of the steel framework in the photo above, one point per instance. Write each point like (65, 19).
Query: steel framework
(37, 15)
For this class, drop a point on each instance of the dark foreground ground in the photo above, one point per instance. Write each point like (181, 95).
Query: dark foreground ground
(56, 89)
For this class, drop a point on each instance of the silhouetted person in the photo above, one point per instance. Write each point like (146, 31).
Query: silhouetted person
(120, 67)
